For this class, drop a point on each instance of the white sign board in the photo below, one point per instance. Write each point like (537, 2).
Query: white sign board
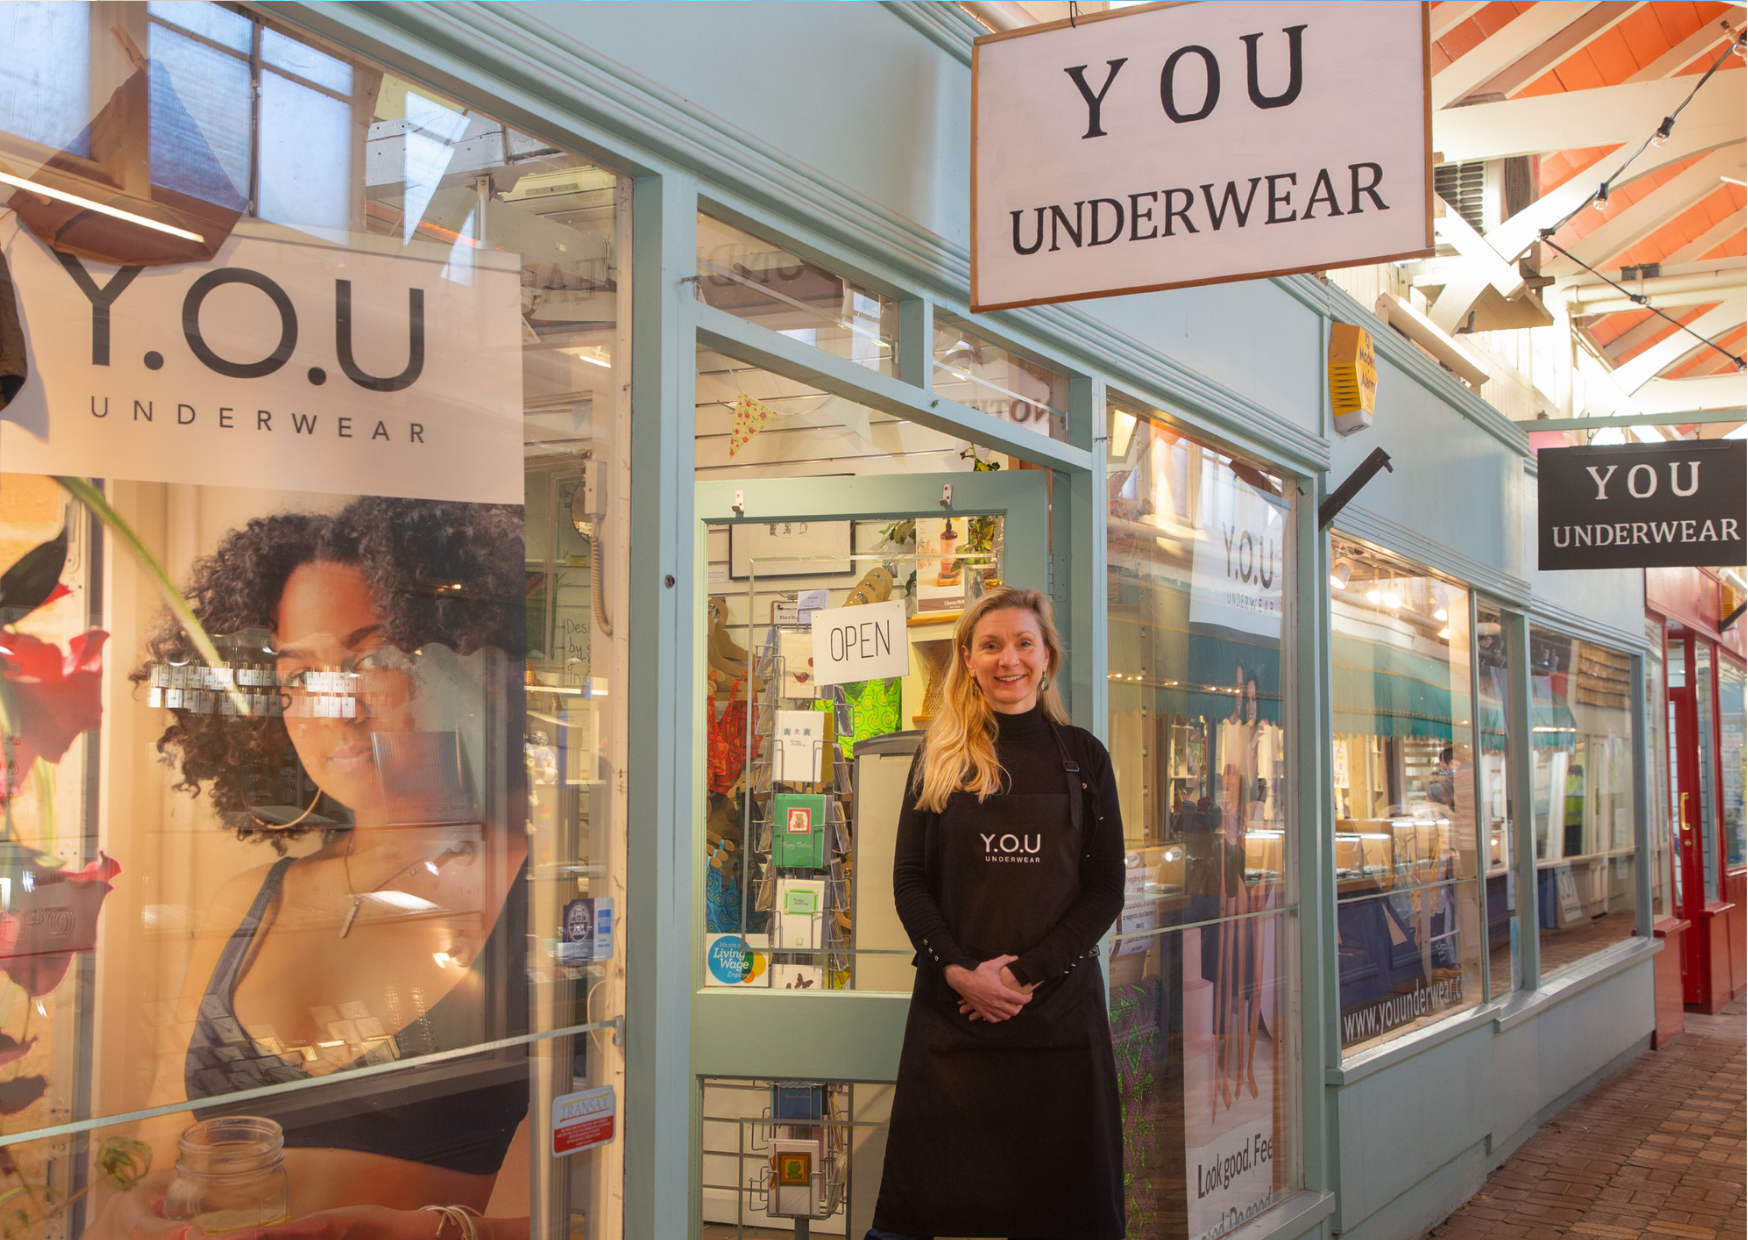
(1237, 566)
(282, 364)
(1154, 147)
(860, 643)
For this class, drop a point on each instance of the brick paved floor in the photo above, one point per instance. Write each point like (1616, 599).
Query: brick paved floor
(1654, 1152)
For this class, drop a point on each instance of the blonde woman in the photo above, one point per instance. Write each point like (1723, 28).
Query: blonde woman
(1009, 868)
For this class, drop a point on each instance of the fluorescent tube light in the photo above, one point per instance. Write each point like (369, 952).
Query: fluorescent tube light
(62, 196)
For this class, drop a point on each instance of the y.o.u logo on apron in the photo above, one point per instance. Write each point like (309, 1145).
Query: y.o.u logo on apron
(1010, 847)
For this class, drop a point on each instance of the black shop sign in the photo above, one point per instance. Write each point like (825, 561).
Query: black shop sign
(1643, 505)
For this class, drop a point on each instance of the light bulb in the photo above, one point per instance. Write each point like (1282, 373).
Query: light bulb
(1374, 597)
(1441, 615)
(1392, 600)
(1445, 632)
(1600, 201)
(1661, 137)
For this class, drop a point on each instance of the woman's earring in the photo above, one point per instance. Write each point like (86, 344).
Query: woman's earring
(1044, 684)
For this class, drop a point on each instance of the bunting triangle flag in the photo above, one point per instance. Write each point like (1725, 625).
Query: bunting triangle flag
(749, 419)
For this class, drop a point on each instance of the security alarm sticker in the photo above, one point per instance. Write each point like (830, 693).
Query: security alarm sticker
(860, 643)
(583, 1120)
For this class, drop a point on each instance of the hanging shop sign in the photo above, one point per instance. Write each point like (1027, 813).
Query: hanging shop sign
(280, 364)
(1161, 146)
(1643, 505)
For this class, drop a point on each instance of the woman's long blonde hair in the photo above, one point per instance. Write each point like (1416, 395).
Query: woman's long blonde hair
(959, 750)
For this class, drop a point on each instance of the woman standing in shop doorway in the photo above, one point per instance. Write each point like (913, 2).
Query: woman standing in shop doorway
(1009, 868)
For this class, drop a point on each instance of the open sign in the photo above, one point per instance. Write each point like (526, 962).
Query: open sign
(860, 643)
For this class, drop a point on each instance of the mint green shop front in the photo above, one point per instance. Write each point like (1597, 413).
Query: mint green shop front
(1443, 932)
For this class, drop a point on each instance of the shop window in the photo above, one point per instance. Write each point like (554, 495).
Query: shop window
(987, 377)
(1407, 861)
(1731, 722)
(1657, 773)
(763, 283)
(343, 825)
(814, 910)
(1203, 977)
(1493, 767)
(1581, 753)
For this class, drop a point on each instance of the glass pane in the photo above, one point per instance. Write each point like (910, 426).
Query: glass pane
(1731, 723)
(1581, 754)
(1657, 772)
(1406, 960)
(306, 156)
(754, 279)
(1202, 1023)
(850, 746)
(1676, 669)
(200, 118)
(305, 61)
(1197, 642)
(355, 842)
(1405, 785)
(1197, 569)
(984, 376)
(1494, 771)
(221, 25)
(1704, 709)
(45, 76)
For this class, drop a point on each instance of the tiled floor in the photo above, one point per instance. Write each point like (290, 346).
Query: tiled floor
(1654, 1152)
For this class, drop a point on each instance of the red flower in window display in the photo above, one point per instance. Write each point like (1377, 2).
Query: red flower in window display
(48, 698)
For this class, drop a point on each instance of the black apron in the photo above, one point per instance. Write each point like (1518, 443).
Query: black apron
(1013, 1128)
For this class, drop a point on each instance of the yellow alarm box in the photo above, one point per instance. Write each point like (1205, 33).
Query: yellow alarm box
(1353, 377)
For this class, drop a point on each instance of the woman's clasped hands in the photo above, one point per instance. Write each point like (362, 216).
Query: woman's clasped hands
(990, 991)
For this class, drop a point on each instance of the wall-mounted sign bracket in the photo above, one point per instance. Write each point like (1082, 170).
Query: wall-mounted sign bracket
(1338, 498)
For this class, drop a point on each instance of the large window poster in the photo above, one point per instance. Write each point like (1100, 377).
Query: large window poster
(311, 547)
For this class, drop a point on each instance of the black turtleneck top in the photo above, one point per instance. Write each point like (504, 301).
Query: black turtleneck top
(1033, 765)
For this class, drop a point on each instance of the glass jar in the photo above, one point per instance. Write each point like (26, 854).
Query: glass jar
(230, 1173)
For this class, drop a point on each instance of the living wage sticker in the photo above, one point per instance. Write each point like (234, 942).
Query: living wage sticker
(583, 1120)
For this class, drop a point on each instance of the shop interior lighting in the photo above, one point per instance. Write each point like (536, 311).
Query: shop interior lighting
(1441, 615)
(62, 195)
(1340, 573)
(1445, 633)
(592, 354)
(1374, 596)
(1393, 599)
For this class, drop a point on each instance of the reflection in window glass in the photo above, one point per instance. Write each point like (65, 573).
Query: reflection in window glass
(1581, 752)
(1406, 855)
(221, 25)
(45, 76)
(1731, 722)
(306, 62)
(306, 156)
(757, 280)
(1493, 785)
(1202, 1018)
(201, 119)
(983, 375)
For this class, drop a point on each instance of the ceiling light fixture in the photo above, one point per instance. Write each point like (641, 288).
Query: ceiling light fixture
(61, 195)
(1340, 573)
(1441, 615)
(1600, 201)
